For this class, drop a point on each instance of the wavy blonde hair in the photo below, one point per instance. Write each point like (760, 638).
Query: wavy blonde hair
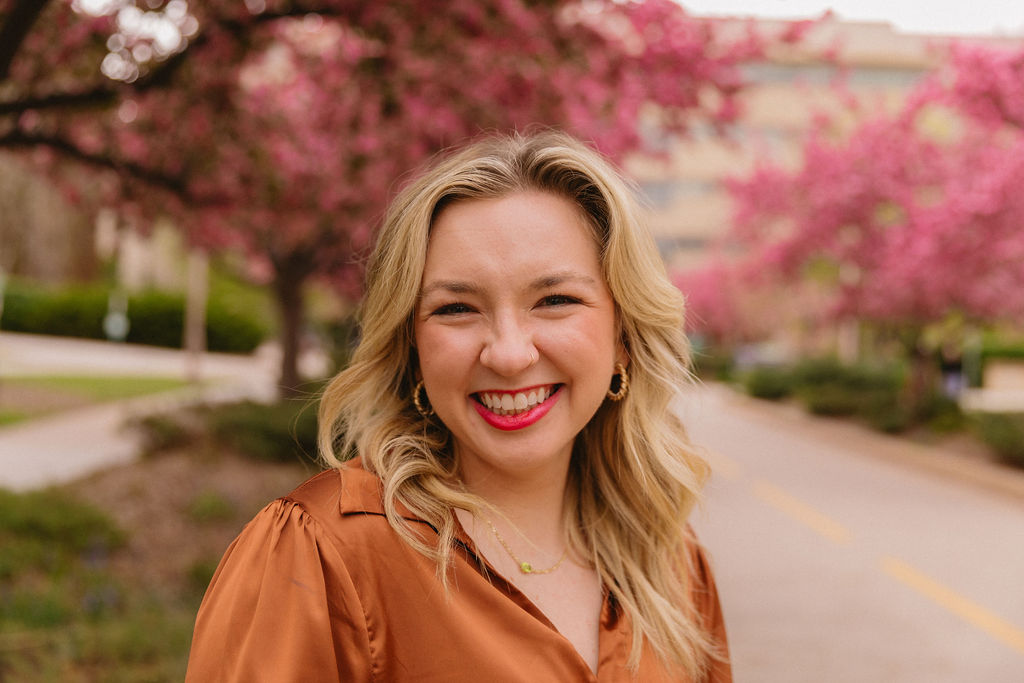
(634, 476)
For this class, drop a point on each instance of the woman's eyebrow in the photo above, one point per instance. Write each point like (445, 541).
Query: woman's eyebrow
(546, 281)
(561, 277)
(453, 286)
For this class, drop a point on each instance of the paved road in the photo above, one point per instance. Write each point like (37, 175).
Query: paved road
(837, 565)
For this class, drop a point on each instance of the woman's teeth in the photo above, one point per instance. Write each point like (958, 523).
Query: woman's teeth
(513, 404)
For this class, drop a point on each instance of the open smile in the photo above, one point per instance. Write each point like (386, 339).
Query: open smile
(510, 410)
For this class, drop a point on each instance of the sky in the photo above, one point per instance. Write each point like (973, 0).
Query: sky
(947, 17)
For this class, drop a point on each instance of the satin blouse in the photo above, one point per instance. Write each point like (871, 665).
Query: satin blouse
(319, 587)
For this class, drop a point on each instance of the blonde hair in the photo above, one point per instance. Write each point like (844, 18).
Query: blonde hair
(634, 475)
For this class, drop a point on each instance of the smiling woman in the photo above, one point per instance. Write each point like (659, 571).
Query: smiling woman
(509, 487)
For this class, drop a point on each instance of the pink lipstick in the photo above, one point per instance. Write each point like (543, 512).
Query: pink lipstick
(521, 420)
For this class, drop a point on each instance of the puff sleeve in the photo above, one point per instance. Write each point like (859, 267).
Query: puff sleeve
(281, 607)
(710, 608)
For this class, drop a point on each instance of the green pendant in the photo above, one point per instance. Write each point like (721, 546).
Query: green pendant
(525, 567)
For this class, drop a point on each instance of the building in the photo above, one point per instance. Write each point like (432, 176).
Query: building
(876, 63)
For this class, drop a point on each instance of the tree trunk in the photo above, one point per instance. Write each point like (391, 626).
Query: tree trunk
(291, 309)
(196, 294)
(921, 383)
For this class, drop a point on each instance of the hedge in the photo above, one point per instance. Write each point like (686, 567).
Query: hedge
(1003, 433)
(828, 387)
(155, 318)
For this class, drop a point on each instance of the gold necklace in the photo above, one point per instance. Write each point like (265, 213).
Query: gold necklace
(524, 567)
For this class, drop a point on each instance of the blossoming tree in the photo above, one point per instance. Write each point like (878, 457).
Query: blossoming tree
(283, 127)
(909, 219)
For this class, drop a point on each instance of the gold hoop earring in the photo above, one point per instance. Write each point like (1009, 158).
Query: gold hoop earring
(425, 412)
(617, 393)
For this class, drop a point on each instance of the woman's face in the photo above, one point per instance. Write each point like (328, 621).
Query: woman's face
(515, 331)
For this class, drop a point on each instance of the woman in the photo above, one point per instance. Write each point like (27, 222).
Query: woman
(508, 487)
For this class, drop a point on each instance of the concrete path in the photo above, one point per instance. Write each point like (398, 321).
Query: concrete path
(70, 444)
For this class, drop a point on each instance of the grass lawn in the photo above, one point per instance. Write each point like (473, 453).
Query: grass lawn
(11, 416)
(25, 397)
(97, 388)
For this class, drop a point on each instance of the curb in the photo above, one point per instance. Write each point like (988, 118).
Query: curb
(990, 475)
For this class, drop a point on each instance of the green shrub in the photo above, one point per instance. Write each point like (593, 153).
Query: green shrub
(1003, 349)
(231, 330)
(210, 506)
(829, 398)
(280, 432)
(941, 413)
(818, 371)
(1003, 433)
(713, 363)
(827, 386)
(74, 312)
(58, 521)
(200, 573)
(769, 382)
(155, 318)
(883, 411)
(163, 432)
(147, 643)
(36, 609)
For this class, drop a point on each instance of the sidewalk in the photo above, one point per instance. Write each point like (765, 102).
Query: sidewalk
(61, 447)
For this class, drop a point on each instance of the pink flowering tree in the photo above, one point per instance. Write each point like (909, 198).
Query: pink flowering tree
(905, 227)
(282, 128)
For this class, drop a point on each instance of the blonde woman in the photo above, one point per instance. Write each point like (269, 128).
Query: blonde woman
(509, 488)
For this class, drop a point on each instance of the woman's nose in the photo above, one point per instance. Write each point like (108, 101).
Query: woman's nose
(509, 349)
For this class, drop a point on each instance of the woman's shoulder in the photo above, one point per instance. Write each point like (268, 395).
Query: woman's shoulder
(344, 490)
(340, 501)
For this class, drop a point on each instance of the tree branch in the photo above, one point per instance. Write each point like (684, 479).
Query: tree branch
(98, 96)
(18, 23)
(18, 139)
(106, 92)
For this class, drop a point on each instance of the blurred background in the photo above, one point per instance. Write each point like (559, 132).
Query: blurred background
(188, 192)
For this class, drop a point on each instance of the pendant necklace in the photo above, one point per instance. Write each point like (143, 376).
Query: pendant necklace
(524, 567)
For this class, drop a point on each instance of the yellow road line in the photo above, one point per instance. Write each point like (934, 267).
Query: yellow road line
(801, 512)
(723, 465)
(948, 599)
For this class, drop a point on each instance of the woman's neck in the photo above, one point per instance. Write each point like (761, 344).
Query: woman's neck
(532, 506)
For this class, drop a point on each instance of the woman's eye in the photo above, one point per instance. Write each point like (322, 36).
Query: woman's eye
(452, 309)
(558, 300)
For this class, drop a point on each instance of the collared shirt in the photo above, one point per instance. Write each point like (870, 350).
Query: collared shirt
(319, 587)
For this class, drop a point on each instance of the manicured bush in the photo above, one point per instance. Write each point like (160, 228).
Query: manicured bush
(1003, 433)
(769, 382)
(231, 330)
(67, 313)
(883, 411)
(941, 413)
(829, 398)
(155, 318)
(827, 386)
(713, 364)
(1003, 349)
(819, 371)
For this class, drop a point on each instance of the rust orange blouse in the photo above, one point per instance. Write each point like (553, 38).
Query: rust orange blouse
(318, 587)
